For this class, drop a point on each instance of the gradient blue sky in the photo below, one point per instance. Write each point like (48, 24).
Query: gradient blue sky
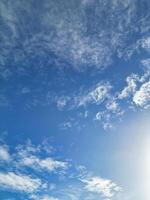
(74, 99)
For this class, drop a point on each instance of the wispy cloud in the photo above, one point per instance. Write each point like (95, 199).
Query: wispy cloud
(48, 163)
(19, 182)
(146, 43)
(29, 156)
(85, 40)
(105, 187)
(4, 153)
(44, 197)
(130, 88)
(96, 95)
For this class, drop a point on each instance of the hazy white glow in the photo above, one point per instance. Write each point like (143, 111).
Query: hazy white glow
(145, 167)
(143, 161)
(135, 158)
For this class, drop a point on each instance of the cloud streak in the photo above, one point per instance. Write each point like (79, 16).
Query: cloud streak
(20, 182)
(4, 154)
(105, 187)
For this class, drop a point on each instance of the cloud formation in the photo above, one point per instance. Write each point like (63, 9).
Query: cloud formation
(96, 95)
(20, 182)
(29, 156)
(38, 183)
(104, 187)
(45, 197)
(41, 164)
(142, 96)
(83, 34)
(4, 154)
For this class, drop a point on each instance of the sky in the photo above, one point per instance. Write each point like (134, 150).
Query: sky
(74, 99)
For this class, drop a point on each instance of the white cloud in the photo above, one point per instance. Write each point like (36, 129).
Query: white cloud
(146, 43)
(146, 63)
(105, 119)
(4, 154)
(44, 197)
(112, 111)
(96, 95)
(104, 187)
(142, 96)
(100, 93)
(146, 66)
(62, 102)
(42, 164)
(112, 106)
(37, 188)
(85, 39)
(66, 125)
(29, 156)
(99, 115)
(19, 182)
(130, 88)
(138, 87)
(25, 157)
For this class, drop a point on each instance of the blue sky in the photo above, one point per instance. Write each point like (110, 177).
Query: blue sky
(74, 99)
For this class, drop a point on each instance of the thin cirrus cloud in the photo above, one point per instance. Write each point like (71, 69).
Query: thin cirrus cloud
(72, 39)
